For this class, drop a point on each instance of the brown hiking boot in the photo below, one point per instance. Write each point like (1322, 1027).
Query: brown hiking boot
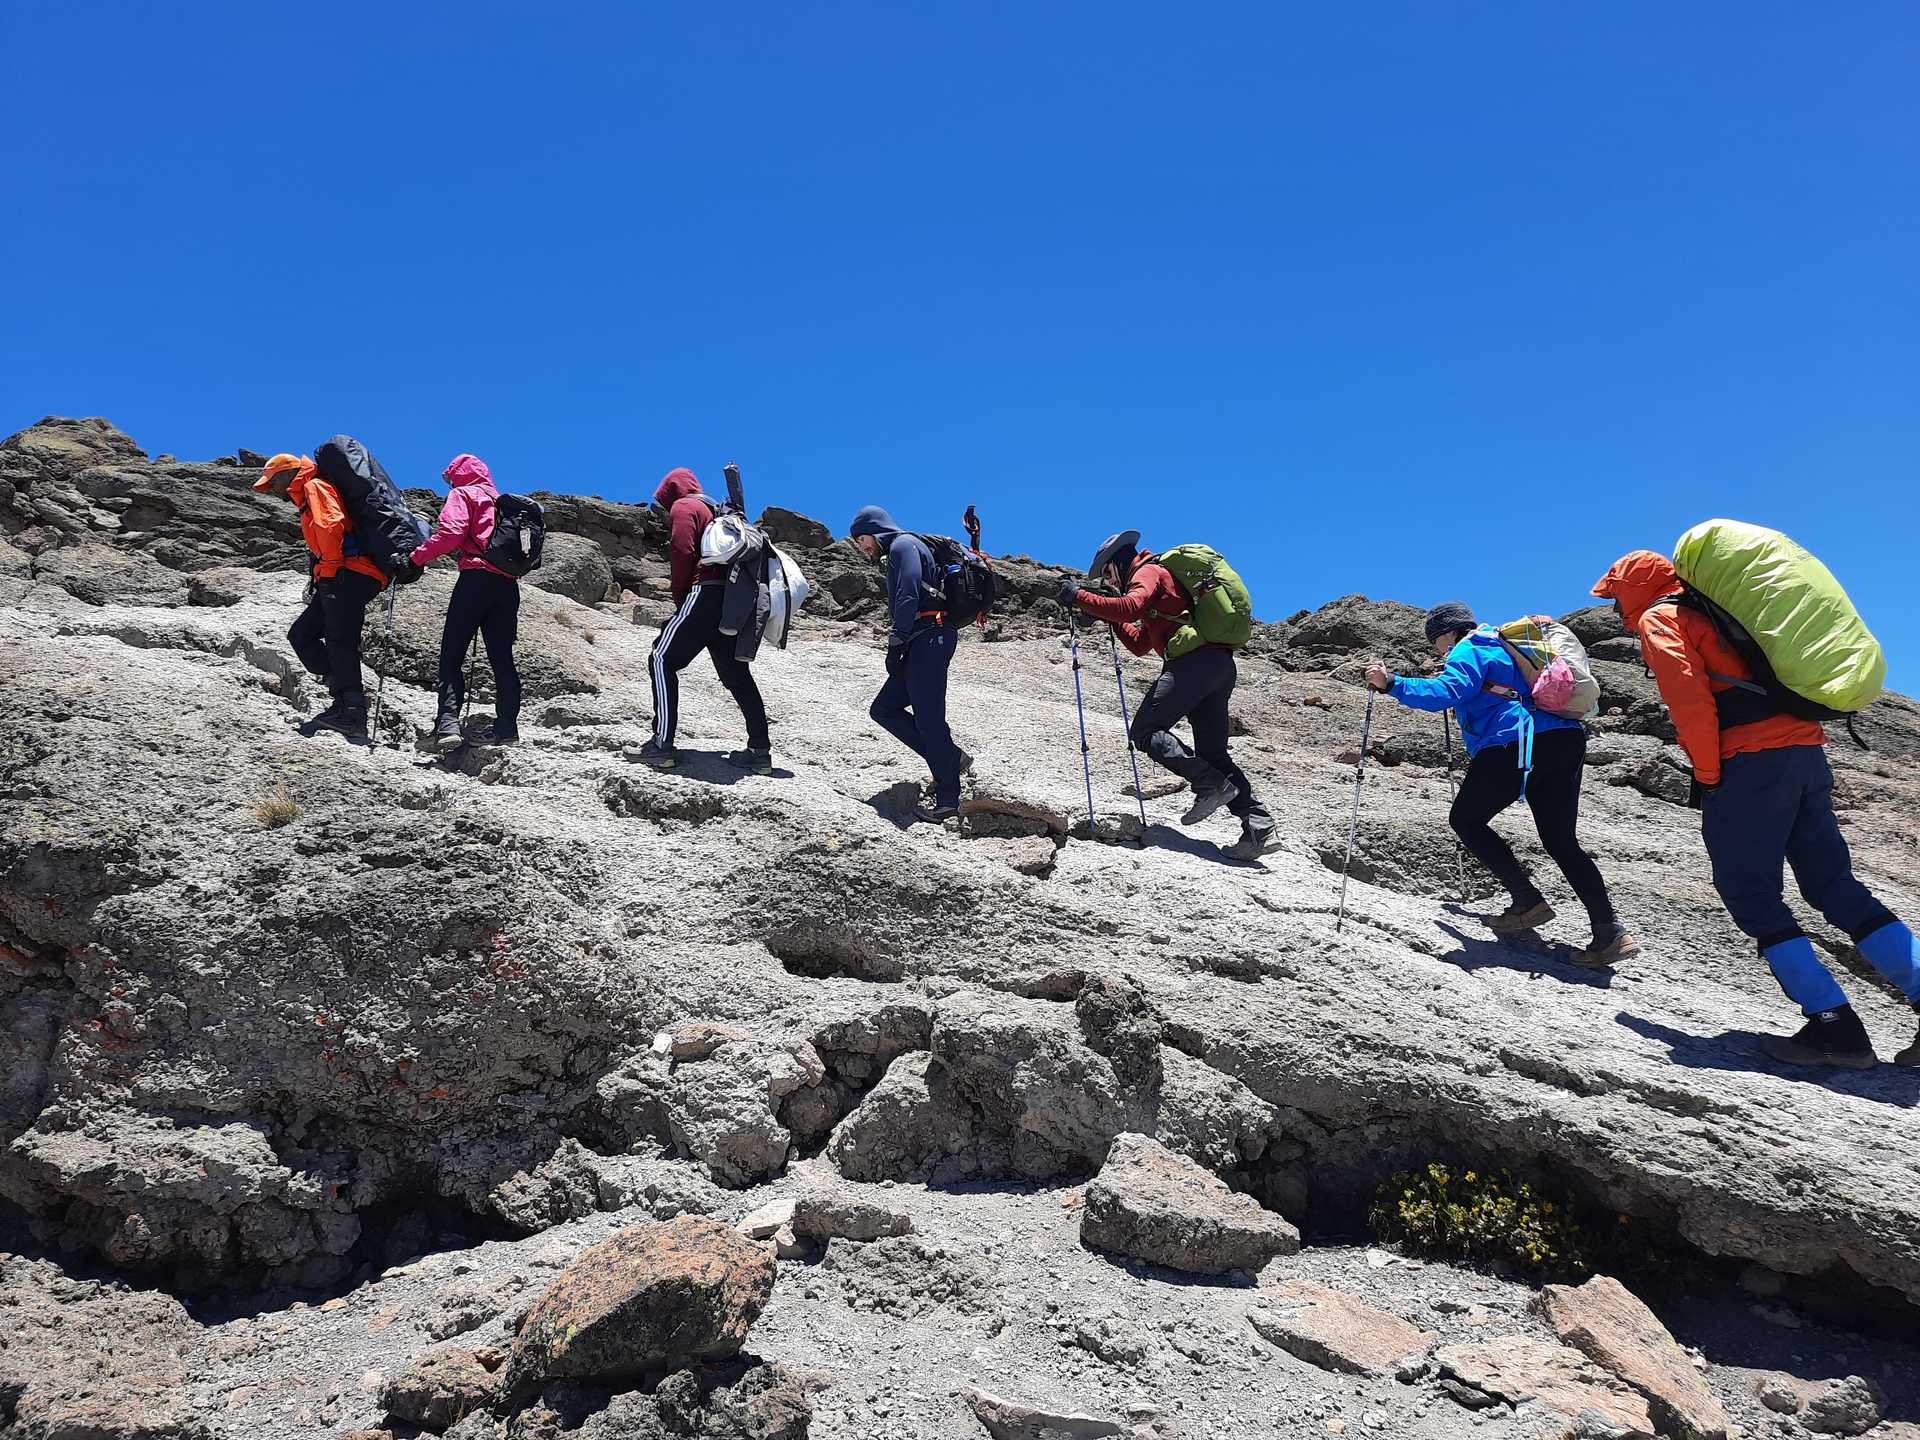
(1602, 955)
(1833, 1037)
(1517, 919)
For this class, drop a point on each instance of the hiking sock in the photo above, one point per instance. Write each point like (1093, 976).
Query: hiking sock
(1895, 953)
(1805, 980)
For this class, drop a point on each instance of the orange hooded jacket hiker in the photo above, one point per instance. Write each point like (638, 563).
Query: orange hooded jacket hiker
(1683, 650)
(323, 519)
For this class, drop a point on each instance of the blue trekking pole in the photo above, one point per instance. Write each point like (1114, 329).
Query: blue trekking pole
(1140, 798)
(1080, 704)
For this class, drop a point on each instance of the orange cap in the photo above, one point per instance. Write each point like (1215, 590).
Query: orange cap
(273, 467)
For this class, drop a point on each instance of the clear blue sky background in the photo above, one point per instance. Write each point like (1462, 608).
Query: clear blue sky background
(1422, 300)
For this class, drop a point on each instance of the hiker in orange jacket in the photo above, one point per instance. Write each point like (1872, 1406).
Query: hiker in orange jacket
(326, 634)
(1765, 792)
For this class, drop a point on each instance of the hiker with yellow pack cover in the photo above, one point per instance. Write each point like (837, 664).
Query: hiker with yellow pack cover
(1753, 643)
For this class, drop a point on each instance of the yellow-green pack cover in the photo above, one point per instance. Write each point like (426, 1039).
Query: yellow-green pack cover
(1791, 605)
(1222, 611)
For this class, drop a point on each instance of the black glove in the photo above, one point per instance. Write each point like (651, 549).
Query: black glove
(1697, 793)
(896, 657)
(1069, 594)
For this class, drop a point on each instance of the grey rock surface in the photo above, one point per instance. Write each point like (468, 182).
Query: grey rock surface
(1154, 1205)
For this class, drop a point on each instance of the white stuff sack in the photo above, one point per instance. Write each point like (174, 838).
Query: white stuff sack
(786, 592)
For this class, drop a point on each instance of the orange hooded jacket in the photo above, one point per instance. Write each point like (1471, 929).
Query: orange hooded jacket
(1683, 650)
(323, 519)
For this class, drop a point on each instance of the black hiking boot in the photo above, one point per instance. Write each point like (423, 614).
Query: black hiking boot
(1910, 1055)
(1256, 838)
(1833, 1037)
(1206, 802)
(655, 756)
(347, 718)
(1608, 949)
(755, 761)
(933, 812)
(503, 732)
(1520, 917)
(446, 734)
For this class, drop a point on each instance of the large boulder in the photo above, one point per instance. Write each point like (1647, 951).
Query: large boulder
(1154, 1205)
(652, 1298)
(444, 1387)
(573, 566)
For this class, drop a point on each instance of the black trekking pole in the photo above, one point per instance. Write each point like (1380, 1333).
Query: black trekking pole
(1119, 681)
(1353, 825)
(1080, 704)
(380, 690)
(1459, 858)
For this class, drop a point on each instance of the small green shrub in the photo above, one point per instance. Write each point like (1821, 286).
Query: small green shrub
(1489, 1217)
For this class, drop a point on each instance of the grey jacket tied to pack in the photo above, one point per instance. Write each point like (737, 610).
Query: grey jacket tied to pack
(748, 602)
(912, 587)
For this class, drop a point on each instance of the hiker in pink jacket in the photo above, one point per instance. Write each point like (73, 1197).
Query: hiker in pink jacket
(485, 601)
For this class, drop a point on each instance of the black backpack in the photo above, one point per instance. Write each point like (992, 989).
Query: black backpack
(966, 580)
(519, 535)
(384, 529)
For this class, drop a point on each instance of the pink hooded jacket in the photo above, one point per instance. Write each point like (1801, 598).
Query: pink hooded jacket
(466, 516)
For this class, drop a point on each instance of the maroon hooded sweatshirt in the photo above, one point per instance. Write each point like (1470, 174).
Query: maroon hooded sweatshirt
(687, 518)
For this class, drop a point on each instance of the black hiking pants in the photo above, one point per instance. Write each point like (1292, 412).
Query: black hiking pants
(326, 635)
(912, 705)
(487, 605)
(1195, 688)
(1492, 783)
(694, 627)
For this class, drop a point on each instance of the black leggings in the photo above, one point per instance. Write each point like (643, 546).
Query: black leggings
(488, 604)
(1553, 794)
(694, 627)
(326, 635)
(1196, 688)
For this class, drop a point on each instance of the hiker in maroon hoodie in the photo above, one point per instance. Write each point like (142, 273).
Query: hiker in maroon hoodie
(1196, 687)
(698, 591)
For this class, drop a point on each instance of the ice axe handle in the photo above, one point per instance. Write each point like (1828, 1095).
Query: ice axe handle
(736, 492)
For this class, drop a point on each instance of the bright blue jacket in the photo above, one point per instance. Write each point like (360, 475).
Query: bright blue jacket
(1487, 717)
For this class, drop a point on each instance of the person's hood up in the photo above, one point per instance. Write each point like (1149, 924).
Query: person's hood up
(872, 520)
(299, 464)
(675, 486)
(1636, 581)
(467, 470)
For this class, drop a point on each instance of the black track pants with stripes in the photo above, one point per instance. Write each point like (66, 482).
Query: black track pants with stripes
(694, 627)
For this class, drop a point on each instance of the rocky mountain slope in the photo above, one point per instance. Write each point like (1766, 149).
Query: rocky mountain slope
(282, 1013)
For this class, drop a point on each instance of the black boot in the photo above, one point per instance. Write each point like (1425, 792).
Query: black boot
(1833, 1037)
(349, 717)
(1256, 837)
(1910, 1055)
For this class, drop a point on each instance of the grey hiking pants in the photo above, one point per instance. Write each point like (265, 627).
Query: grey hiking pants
(1195, 688)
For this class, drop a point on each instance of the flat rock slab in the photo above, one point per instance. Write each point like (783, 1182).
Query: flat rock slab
(1334, 1331)
(1160, 1207)
(654, 1297)
(831, 1214)
(1608, 1323)
(1519, 1370)
(1014, 1420)
(443, 1386)
(986, 802)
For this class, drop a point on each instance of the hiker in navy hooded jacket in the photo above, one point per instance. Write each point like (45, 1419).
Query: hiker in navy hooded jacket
(912, 705)
(1516, 749)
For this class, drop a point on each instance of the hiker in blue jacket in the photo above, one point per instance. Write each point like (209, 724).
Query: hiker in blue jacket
(912, 705)
(1516, 749)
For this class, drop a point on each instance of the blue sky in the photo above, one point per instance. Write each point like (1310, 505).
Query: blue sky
(1423, 300)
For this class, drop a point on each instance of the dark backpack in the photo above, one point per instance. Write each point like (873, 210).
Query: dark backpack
(965, 579)
(384, 529)
(519, 535)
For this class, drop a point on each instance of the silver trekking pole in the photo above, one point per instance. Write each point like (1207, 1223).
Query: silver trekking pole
(1459, 859)
(1080, 704)
(1127, 720)
(1353, 825)
(380, 690)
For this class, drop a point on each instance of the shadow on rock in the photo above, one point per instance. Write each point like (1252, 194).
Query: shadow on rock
(1476, 953)
(1740, 1050)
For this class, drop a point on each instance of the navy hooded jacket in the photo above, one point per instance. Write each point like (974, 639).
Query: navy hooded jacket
(912, 578)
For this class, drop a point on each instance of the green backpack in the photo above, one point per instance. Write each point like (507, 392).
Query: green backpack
(1222, 611)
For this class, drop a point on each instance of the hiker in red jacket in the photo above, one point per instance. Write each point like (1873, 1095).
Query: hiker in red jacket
(698, 591)
(1196, 687)
(486, 601)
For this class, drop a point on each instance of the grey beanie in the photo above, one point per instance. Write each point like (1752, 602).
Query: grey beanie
(1453, 615)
